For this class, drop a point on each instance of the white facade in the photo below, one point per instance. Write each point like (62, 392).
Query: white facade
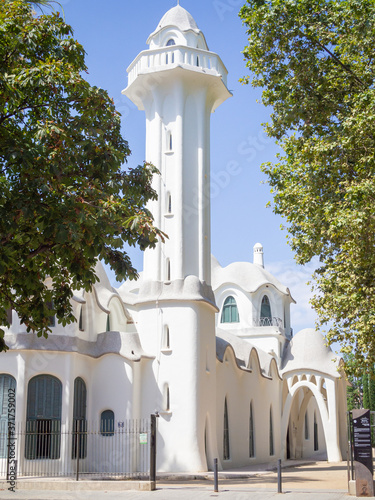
(210, 349)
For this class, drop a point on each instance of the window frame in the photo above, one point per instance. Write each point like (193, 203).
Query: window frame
(79, 438)
(229, 312)
(107, 429)
(265, 315)
(43, 428)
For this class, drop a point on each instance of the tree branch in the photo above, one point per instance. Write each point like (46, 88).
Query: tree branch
(335, 58)
(35, 106)
(40, 249)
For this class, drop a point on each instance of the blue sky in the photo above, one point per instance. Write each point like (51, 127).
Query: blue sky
(113, 33)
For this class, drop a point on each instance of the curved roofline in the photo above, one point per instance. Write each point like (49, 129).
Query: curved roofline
(126, 312)
(267, 375)
(308, 352)
(313, 371)
(103, 307)
(266, 283)
(264, 371)
(243, 275)
(93, 349)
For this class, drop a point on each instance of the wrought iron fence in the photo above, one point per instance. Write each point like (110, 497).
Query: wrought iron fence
(49, 448)
(269, 322)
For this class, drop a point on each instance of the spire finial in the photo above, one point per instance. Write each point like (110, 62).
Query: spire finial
(178, 2)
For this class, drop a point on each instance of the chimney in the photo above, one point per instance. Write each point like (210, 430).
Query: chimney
(258, 255)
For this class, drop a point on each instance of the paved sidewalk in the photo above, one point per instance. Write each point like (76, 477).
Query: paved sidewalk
(301, 481)
(175, 494)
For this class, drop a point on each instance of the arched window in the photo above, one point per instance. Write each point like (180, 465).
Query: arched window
(7, 402)
(79, 419)
(169, 144)
(316, 437)
(272, 447)
(169, 208)
(230, 311)
(107, 423)
(170, 43)
(265, 312)
(108, 324)
(226, 447)
(52, 318)
(307, 434)
(81, 325)
(43, 425)
(197, 61)
(168, 270)
(166, 398)
(9, 315)
(251, 433)
(166, 340)
(205, 441)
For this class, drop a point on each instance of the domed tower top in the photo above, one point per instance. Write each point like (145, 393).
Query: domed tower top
(177, 27)
(179, 17)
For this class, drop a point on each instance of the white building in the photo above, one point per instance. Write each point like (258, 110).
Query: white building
(209, 348)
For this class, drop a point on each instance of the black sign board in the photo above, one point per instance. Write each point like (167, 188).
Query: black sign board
(362, 438)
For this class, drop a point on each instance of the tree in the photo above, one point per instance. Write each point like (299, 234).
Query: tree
(65, 201)
(315, 61)
(366, 394)
(354, 391)
(371, 389)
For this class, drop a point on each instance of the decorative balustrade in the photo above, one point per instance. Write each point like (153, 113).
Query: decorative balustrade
(269, 322)
(177, 55)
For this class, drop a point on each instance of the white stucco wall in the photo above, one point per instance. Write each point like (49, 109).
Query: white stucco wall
(240, 388)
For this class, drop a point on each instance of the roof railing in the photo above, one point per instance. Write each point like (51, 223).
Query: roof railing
(177, 55)
(269, 322)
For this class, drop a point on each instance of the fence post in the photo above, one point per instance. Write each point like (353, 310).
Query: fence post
(153, 448)
(8, 454)
(216, 477)
(279, 488)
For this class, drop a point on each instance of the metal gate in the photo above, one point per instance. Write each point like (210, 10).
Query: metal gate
(113, 449)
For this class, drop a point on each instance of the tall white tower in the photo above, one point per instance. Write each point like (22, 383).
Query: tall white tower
(178, 82)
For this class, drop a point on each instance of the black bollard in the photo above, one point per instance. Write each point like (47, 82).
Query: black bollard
(279, 489)
(216, 477)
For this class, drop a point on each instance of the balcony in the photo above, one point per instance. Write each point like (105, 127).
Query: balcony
(177, 55)
(268, 322)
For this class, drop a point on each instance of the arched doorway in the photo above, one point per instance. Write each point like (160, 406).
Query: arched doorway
(304, 427)
(310, 393)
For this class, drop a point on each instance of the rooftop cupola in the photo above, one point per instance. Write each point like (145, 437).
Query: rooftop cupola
(177, 27)
(176, 44)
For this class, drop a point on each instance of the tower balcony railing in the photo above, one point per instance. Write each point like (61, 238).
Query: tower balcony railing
(269, 322)
(177, 55)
